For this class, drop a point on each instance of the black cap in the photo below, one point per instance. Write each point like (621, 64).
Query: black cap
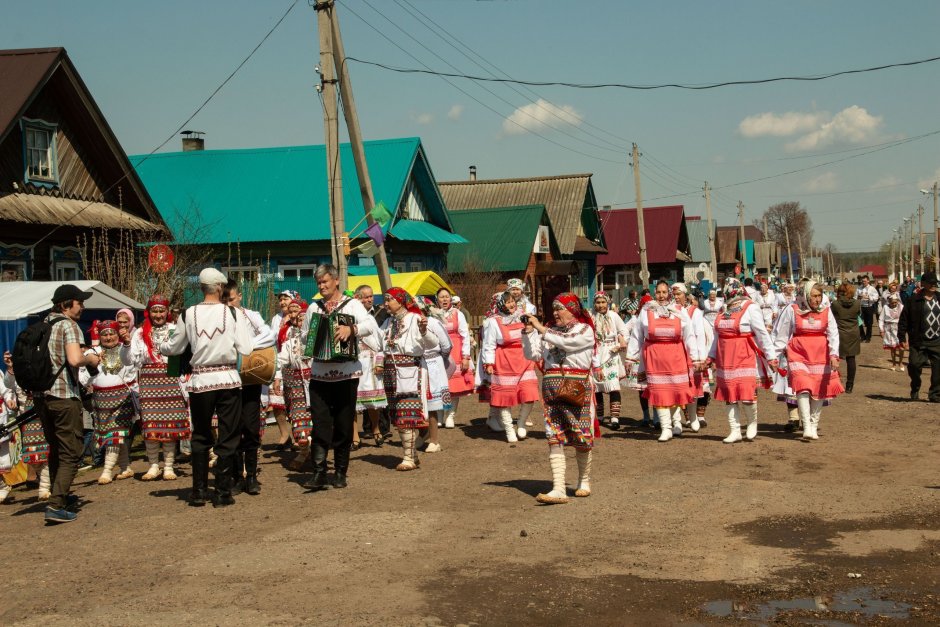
(929, 278)
(69, 292)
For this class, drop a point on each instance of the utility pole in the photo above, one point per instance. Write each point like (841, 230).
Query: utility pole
(893, 269)
(912, 244)
(799, 244)
(921, 238)
(331, 136)
(741, 237)
(766, 239)
(936, 230)
(711, 234)
(355, 142)
(786, 233)
(641, 229)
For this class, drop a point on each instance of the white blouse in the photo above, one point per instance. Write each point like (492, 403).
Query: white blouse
(410, 341)
(444, 345)
(291, 354)
(262, 335)
(135, 354)
(125, 375)
(711, 309)
(751, 322)
(492, 337)
(338, 370)
(217, 334)
(786, 325)
(573, 348)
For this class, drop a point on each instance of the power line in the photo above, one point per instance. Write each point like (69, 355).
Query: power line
(181, 126)
(458, 88)
(693, 86)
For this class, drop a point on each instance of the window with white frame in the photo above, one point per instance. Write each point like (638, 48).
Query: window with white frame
(66, 263)
(415, 266)
(66, 271)
(13, 271)
(400, 266)
(297, 271)
(39, 151)
(242, 273)
(624, 279)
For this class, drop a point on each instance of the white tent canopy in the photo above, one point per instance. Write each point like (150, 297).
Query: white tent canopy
(19, 299)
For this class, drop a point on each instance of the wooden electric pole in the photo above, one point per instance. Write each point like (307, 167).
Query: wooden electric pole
(921, 236)
(799, 246)
(331, 137)
(912, 244)
(766, 240)
(356, 143)
(711, 235)
(786, 233)
(641, 229)
(741, 237)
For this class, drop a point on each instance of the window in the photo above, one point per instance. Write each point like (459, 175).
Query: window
(415, 208)
(624, 279)
(13, 271)
(66, 263)
(39, 151)
(66, 271)
(416, 266)
(581, 282)
(242, 273)
(301, 271)
(400, 266)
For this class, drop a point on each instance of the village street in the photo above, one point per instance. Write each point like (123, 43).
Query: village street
(670, 528)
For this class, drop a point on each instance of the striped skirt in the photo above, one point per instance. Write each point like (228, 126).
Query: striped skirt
(564, 424)
(298, 408)
(114, 414)
(407, 399)
(35, 448)
(163, 412)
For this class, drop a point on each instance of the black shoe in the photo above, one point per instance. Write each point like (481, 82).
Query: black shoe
(849, 386)
(339, 480)
(223, 482)
(200, 468)
(915, 395)
(252, 486)
(316, 482)
(238, 487)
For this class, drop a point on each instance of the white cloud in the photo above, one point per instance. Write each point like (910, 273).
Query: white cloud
(885, 181)
(852, 125)
(540, 116)
(825, 182)
(455, 112)
(780, 125)
(422, 118)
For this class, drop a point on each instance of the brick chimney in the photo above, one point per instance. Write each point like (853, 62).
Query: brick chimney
(193, 140)
(473, 173)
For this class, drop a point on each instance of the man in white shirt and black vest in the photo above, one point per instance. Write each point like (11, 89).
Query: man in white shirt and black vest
(216, 334)
(333, 383)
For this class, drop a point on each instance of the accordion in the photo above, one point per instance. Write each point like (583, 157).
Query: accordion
(321, 342)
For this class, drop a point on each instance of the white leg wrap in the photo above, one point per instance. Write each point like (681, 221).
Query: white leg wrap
(665, 423)
(584, 473)
(733, 424)
(408, 438)
(556, 460)
(110, 459)
(153, 452)
(505, 416)
(750, 415)
(45, 483)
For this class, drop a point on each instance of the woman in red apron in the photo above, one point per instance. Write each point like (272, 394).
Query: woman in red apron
(808, 332)
(740, 351)
(663, 345)
(513, 380)
(461, 381)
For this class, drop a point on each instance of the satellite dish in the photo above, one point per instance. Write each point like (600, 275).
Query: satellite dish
(703, 267)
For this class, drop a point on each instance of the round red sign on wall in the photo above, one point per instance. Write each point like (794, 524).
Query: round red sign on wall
(160, 258)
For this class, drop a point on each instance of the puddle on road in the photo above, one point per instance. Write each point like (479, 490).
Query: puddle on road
(860, 600)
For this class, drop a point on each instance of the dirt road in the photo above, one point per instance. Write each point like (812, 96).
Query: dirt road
(693, 531)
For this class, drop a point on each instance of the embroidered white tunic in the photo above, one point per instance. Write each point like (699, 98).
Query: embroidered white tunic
(217, 334)
(136, 354)
(611, 365)
(573, 348)
(711, 309)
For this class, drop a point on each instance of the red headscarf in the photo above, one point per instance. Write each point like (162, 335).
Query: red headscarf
(111, 325)
(157, 300)
(646, 299)
(285, 323)
(404, 299)
(572, 303)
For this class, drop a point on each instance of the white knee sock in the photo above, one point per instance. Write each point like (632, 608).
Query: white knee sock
(584, 472)
(110, 459)
(505, 416)
(556, 459)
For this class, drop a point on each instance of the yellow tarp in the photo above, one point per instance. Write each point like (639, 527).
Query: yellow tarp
(425, 283)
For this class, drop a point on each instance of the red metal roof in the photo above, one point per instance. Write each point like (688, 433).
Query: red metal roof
(662, 226)
(873, 270)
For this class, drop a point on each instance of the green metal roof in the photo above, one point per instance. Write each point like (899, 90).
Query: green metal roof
(419, 231)
(501, 239)
(699, 249)
(280, 194)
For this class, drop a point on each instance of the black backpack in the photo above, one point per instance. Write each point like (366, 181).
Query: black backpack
(32, 363)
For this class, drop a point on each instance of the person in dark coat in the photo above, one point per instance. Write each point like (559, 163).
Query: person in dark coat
(919, 329)
(846, 310)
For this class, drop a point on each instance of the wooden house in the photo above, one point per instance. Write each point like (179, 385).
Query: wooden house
(265, 211)
(571, 208)
(63, 173)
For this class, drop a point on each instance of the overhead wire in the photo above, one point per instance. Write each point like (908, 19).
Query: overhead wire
(689, 86)
(454, 85)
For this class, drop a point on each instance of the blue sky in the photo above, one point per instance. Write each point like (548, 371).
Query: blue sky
(149, 65)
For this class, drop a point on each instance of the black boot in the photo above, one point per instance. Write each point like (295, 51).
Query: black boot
(341, 465)
(238, 476)
(200, 469)
(319, 480)
(252, 486)
(223, 481)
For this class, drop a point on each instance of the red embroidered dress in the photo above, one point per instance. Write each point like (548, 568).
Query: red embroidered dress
(808, 356)
(668, 376)
(514, 380)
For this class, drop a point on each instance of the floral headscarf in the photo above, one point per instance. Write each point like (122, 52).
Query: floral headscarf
(572, 303)
(498, 306)
(404, 299)
(511, 283)
(808, 288)
(157, 300)
(109, 325)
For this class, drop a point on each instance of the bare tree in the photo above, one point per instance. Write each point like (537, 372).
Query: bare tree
(787, 217)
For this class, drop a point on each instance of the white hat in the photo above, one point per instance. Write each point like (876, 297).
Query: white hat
(681, 287)
(211, 276)
(455, 299)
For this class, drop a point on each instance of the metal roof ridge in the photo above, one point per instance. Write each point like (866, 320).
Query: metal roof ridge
(263, 149)
(519, 180)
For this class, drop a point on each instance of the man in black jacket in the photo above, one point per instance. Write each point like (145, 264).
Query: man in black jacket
(919, 327)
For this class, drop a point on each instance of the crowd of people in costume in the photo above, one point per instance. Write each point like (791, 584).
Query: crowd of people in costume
(417, 357)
